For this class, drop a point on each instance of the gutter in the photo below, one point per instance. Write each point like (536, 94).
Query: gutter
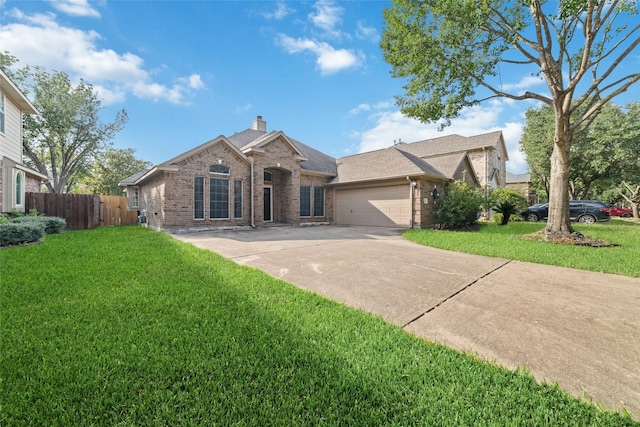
(253, 224)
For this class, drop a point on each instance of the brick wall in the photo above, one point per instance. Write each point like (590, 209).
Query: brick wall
(279, 159)
(318, 181)
(179, 196)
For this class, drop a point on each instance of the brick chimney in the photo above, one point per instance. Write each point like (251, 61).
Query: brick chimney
(259, 124)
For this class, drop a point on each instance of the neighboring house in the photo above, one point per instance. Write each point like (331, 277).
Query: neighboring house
(256, 178)
(15, 177)
(522, 184)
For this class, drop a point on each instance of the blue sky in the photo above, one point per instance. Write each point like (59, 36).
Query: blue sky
(188, 71)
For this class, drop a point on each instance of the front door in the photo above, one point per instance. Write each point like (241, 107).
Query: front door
(268, 204)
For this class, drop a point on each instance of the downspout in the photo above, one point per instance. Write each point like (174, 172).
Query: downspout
(253, 224)
(412, 198)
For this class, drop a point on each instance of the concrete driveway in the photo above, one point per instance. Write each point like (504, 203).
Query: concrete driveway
(576, 328)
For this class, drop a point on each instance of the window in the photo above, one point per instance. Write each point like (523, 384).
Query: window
(198, 197)
(318, 201)
(219, 169)
(19, 188)
(237, 198)
(2, 112)
(218, 198)
(132, 197)
(268, 177)
(305, 201)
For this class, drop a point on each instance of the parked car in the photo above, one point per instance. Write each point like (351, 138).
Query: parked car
(584, 211)
(621, 212)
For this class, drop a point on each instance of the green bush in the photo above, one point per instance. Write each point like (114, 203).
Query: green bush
(460, 207)
(497, 218)
(16, 233)
(51, 224)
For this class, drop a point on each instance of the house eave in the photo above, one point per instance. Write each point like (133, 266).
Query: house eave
(43, 178)
(390, 178)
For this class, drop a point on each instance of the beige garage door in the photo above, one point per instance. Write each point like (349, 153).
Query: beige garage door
(381, 206)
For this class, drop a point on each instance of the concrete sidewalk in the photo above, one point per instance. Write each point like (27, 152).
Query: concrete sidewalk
(577, 328)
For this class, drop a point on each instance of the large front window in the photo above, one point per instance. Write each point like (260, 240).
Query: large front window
(237, 198)
(305, 201)
(219, 198)
(318, 201)
(198, 197)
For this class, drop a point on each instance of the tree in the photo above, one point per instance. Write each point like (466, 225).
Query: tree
(507, 202)
(109, 168)
(447, 50)
(602, 156)
(63, 140)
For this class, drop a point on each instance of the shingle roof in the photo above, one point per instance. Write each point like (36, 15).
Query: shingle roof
(316, 160)
(131, 180)
(447, 164)
(451, 144)
(523, 177)
(382, 164)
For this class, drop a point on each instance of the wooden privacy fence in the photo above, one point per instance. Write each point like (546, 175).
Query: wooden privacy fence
(82, 211)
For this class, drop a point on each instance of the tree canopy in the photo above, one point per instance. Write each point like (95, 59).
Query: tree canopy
(451, 53)
(109, 168)
(602, 157)
(64, 139)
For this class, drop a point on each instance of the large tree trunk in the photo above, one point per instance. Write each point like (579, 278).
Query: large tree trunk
(559, 223)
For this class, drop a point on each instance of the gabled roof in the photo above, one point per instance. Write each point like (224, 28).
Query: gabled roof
(219, 139)
(450, 164)
(454, 144)
(172, 164)
(382, 164)
(315, 161)
(8, 87)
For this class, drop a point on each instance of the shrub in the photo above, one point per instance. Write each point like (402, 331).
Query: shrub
(51, 224)
(460, 207)
(497, 218)
(16, 233)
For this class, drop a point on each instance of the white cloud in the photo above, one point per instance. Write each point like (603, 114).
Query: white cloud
(392, 125)
(244, 108)
(40, 40)
(524, 84)
(75, 8)
(368, 33)
(327, 16)
(279, 13)
(329, 60)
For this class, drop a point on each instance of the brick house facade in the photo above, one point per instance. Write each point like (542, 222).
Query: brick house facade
(256, 178)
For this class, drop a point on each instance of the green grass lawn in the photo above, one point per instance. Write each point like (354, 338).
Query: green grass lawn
(502, 241)
(128, 327)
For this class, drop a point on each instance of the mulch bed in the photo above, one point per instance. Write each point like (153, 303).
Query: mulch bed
(575, 238)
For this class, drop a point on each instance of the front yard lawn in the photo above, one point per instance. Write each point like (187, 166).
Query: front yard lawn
(129, 327)
(502, 241)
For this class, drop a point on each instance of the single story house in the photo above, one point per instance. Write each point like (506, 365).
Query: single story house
(257, 177)
(15, 177)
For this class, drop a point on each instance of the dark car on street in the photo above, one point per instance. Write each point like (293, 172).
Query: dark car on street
(584, 211)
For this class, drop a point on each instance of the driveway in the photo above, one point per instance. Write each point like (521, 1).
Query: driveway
(576, 328)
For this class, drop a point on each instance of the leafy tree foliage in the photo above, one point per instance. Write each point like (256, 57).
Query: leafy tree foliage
(109, 168)
(450, 52)
(460, 207)
(64, 139)
(607, 153)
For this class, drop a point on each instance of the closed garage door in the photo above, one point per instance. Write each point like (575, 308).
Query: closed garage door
(381, 206)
